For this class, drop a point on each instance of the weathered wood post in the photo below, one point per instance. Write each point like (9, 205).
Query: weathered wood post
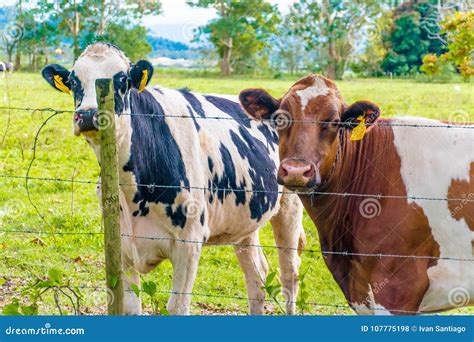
(110, 195)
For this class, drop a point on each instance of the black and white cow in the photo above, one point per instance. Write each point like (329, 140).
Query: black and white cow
(235, 158)
(6, 66)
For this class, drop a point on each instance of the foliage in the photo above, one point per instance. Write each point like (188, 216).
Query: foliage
(431, 64)
(303, 293)
(331, 27)
(75, 23)
(131, 40)
(411, 37)
(369, 62)
(54, 283)
(240, 32)
(445, 73)
(272, 287)
(459, 29)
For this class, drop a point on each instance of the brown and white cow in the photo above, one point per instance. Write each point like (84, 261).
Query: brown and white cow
(394, 158)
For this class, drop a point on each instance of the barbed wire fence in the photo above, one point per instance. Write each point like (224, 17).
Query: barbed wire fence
(285, 121)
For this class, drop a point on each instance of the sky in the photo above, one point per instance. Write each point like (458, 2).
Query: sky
(178, 20)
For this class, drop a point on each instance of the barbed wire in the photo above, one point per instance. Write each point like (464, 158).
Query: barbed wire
(243, 245)
(225, 190)
(224, 296)
(216, 189)
(463, 125)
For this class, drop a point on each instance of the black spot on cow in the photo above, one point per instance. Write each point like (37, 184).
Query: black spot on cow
(262, 172)
(178, 217)
(226, 184)
(231, 108)
(121, 85)
(158, 90)
(270, 135)
(76, 88)
(201, 219)
(155, 158)
(195, 104)
(210, 164)
(191, 113)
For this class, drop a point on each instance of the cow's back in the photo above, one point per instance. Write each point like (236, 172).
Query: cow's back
(207, 144)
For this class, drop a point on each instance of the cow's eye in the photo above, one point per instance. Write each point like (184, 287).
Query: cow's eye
(336, 123)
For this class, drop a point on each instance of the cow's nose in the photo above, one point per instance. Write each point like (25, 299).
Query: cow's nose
(86, 120)
(296, 173)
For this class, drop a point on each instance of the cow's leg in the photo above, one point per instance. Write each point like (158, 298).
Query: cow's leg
(289, 236)
(255, 267)
(132, 304)
(185, 260)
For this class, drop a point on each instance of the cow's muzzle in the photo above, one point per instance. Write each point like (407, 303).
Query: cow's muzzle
(85, 120)
(298, 174)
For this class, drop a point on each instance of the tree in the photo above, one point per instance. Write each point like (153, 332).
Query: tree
(40, 34)
(411, 36)
(332, 26)
(240, 32)
(132, 40)
(459, 30)
(369, 62)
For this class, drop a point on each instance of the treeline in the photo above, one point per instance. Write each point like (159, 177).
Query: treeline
(332, 37)
(41, 29)
(367, 37)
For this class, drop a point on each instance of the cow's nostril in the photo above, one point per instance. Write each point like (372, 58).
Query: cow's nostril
(309, 172)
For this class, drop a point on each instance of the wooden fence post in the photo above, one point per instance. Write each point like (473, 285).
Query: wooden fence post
(110, 195)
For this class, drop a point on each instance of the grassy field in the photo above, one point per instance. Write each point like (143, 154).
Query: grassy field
(74, 208)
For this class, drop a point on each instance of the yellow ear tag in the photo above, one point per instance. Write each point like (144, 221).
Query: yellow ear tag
(58, 82)
(359, 131)
(143, 81)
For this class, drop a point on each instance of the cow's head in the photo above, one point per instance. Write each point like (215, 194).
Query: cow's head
(99, 60)
(308, 119)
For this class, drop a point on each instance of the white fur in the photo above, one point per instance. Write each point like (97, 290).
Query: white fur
(369, 306)
(319, 88)
(430, 159)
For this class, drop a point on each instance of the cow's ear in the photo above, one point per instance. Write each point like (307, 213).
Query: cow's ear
(58, 77)
(258, 103)
(361, 110)
(141, 74)
(359, 117)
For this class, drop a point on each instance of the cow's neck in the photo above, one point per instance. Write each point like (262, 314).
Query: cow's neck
(363, 168)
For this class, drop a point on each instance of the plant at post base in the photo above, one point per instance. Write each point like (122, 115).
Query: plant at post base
(301, 302)
(150, 289)
(54, 283)
(272, 287)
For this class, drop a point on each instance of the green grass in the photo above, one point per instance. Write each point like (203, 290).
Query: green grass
(75, 209)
